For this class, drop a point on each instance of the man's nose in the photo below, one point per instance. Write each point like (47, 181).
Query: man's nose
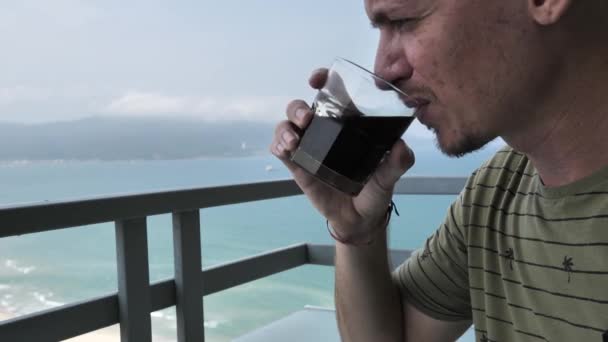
(392, 63)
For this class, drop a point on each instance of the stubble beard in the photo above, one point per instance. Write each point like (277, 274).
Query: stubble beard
(464, 145)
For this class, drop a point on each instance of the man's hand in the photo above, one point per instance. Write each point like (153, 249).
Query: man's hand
(349, 216)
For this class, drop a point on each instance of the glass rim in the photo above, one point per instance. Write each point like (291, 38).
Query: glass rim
(374, 75)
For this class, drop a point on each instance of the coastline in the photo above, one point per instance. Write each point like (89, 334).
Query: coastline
(17, 162)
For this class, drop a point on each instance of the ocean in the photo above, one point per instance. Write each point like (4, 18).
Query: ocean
(49, 269)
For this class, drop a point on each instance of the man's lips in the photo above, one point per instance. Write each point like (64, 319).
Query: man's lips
(414, 102)
(418, 104)
(421, 114)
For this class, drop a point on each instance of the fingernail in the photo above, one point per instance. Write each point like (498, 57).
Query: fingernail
(280, 147)
(300, 113)
(288, 137)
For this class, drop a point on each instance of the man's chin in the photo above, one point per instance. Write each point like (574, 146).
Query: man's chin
(461, 147)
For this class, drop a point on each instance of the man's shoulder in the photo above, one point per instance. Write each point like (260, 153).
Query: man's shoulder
(507, 170)
(506, 161)
(506, 156)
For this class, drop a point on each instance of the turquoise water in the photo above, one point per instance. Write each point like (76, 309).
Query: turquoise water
(45, 270)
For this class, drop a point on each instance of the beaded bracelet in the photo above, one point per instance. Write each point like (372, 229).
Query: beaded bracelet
(353, 240)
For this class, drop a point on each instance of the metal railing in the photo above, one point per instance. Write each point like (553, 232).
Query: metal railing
(136, 297)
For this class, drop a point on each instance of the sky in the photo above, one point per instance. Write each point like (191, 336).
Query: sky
(65, 59)
(214, 60)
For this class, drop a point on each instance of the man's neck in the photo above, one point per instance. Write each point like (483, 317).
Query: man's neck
(569, 141)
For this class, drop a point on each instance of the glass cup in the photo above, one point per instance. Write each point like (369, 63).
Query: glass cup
(358, 117)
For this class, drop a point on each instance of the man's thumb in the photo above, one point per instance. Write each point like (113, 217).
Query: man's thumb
(400, 159)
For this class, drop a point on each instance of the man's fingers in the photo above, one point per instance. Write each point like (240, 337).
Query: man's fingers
(285, 141)
(305, 181)
(400, 159)
(299, 113)
(318, 78)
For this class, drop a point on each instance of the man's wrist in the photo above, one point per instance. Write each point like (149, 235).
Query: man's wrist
(365, 238)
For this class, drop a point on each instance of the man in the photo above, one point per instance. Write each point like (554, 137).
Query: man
(522, 254)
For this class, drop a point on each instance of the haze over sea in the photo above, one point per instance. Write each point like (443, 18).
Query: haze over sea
(49, 269)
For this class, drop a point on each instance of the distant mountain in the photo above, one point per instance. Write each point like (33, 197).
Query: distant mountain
(108, 138)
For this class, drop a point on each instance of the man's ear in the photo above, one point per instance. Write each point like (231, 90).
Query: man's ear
(547, 12)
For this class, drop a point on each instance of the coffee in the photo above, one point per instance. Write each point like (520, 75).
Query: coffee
(344, 150)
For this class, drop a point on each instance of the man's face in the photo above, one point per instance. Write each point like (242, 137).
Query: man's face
(469, 59)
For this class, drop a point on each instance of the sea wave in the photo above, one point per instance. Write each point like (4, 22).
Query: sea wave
(212, 324)
(157, 314)
(6, 306)
(12, 264)
(14, 163)
(4, 287)
(46, 162)
(160, 314)
(42, 298)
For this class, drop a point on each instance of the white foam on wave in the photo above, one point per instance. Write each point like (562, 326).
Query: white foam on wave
(162, 315)
(43, 299)
(12, 264)
(15, 163)
(4, 287)
(6, 306)
(157, 314)
(211, 324)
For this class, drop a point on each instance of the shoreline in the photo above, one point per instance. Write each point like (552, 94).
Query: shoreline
(4, 316)
(29, 161)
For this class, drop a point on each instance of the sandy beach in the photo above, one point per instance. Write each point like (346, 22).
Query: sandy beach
(109, 334)
(4, 316)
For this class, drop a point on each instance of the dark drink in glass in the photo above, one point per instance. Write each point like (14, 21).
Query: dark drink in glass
(345, 151)
(357, 119)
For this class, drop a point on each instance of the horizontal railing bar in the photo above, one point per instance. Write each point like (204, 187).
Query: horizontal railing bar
(62, 322)
(84, 316)
(162, 294)
(225, 276)
(102, 312)
(324, 255)
(45, 216)
(430, 185)
(49, 216)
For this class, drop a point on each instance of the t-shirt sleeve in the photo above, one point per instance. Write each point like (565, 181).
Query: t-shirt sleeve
(435, 278)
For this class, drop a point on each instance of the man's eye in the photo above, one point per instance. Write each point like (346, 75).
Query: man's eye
(402, 24)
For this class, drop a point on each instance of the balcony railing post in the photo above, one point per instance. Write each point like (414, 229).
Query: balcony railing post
(133, 280)
(188, 276)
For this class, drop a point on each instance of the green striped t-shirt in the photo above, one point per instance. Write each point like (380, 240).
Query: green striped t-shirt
(522, 261)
